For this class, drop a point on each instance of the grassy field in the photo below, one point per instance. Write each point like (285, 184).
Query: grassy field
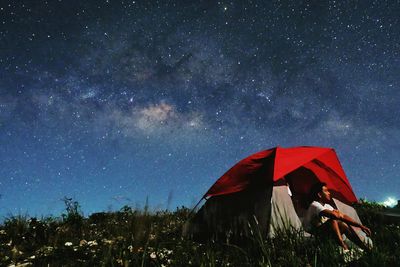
(142, 238)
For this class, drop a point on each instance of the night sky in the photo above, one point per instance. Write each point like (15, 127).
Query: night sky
(112, 102)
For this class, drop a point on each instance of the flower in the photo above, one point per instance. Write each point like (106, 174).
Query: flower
(107, 241)
(92, 243)
(68, 244)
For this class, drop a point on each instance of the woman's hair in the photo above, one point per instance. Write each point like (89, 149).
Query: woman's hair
(315, 189)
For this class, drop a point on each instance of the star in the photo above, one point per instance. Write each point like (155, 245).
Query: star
(135, 99)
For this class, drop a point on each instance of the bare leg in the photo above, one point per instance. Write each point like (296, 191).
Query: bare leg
(352, 235)
(338, 233)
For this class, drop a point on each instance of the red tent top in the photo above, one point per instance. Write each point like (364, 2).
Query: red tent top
(276, 163)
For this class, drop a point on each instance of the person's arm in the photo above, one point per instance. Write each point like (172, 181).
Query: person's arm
(335, 214)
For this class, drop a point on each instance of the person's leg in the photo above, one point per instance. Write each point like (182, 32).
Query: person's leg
(331, 227)
(352, 235)
(338, 233)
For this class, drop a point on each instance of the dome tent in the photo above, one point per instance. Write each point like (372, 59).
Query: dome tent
(270, 188)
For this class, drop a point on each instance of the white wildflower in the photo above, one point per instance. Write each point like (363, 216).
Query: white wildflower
(153, 255)
(92, 243)
(68, 244)
(15, 251)
(107, 241)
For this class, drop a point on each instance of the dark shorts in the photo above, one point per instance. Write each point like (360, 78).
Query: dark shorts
(324, 230)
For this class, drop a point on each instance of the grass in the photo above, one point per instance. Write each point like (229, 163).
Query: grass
(133, 237)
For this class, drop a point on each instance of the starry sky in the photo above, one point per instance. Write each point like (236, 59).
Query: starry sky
(115, 102)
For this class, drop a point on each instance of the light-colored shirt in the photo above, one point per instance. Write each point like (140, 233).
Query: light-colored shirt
(313, 219)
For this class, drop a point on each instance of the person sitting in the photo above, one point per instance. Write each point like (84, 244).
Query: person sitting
(322, 219)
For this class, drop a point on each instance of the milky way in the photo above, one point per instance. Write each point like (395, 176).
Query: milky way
(115, 102)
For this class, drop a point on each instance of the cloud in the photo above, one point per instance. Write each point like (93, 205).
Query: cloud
(91, 93)
(337, 126)
(154, 120)
(155, 116)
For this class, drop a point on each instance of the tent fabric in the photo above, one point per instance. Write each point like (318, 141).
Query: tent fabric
(289, 159)
(231, 214)
(269, 190)
(351, 212)
(274, 164)
(283, 213)
(239, 176)
(346, 209)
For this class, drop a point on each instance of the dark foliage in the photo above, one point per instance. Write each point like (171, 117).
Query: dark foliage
(133, 237)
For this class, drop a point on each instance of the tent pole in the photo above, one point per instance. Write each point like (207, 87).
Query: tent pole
(198, 203)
